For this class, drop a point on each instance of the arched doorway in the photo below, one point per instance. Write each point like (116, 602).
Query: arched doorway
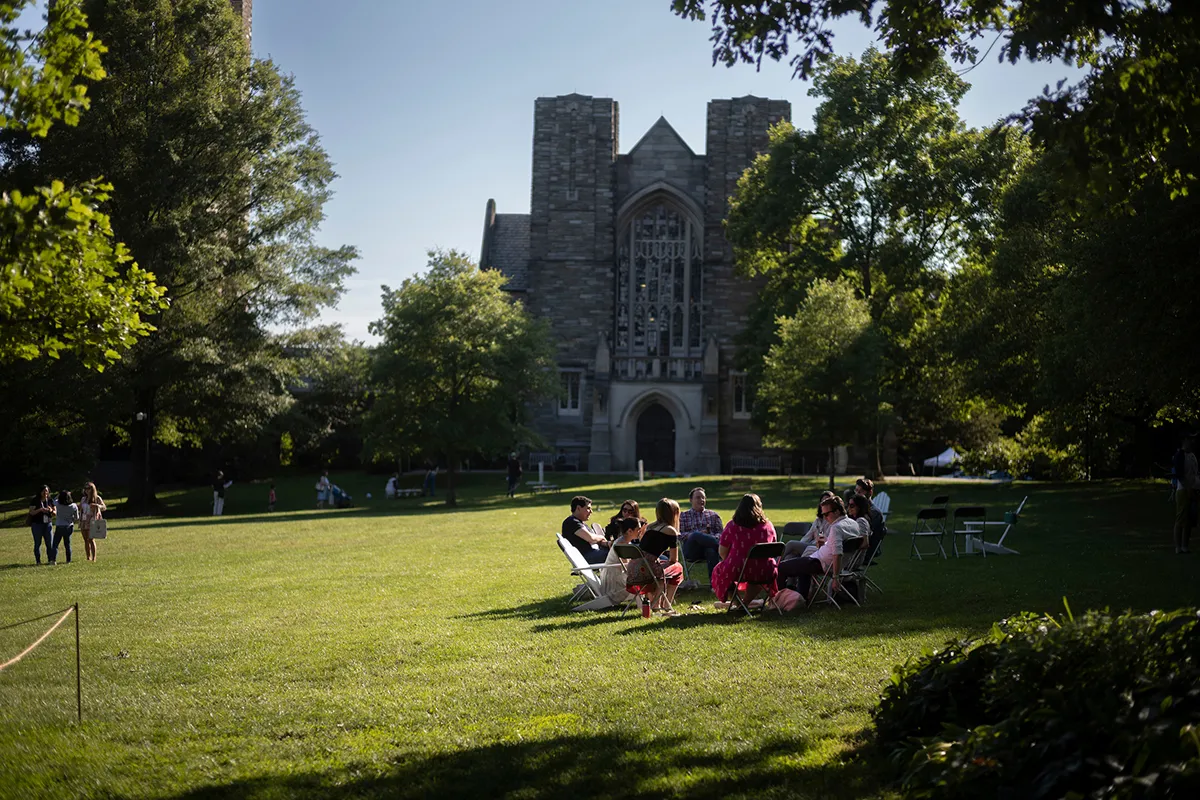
(656, 439)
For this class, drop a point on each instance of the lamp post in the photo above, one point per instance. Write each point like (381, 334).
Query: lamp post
(144, 418)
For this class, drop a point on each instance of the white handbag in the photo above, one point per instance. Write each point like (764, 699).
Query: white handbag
(98, 529)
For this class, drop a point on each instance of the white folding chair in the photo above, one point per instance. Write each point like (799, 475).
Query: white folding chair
(589, 589)
(931, 524)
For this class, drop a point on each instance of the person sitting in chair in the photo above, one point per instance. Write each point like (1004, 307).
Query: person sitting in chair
(828, 555)
(629, 510)
(612, 581)
(748, 527)
(660, 541)
(587, 538)
(700, 530)
(806, 545)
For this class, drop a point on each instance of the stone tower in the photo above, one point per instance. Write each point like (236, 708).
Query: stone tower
(244, 9)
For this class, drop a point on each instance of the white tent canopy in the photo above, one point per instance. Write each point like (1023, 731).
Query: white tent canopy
(943, 459)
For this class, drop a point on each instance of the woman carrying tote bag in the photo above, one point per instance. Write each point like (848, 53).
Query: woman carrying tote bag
(92, 524)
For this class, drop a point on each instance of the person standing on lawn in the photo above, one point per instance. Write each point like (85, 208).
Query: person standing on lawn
(91, 508)
(700, 530)
(514, 474)
(323, 489)
(41, 512)
(66, 514)
(219, 486)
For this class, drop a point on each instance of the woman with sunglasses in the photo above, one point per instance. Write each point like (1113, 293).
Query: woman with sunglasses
(629, 510)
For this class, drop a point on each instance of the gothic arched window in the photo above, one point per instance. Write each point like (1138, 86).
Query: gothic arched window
(660, 286)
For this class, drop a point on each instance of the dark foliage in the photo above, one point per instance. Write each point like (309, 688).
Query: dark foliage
(1097, 707)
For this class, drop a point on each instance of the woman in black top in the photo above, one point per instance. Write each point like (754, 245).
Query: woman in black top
(41, 515)
(629, 510)
(662, 539)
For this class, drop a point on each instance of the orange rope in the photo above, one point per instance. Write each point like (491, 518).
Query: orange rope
(41, 639)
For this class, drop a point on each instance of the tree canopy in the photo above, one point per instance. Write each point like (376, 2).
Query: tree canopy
(218, 186)
(1134, 117)
(66, 287)
(458, 367)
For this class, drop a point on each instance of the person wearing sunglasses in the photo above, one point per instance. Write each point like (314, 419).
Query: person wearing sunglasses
(629, 510)
(828, 556)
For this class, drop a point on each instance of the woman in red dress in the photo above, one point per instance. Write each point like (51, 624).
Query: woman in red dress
(748, 527)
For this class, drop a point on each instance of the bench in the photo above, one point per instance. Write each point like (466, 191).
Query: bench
(755, 464)
(542, 487)
(413, 492)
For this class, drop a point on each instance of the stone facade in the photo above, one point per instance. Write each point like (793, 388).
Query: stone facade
(245, 9)
(625, 255)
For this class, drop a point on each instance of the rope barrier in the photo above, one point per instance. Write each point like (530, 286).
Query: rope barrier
(41, 639)
(35, 619)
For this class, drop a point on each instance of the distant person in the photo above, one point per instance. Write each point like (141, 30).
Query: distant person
(323, 486)
(389, 490)
(219, 486)
(41, 512)
(91, 508)
(748, 527)
(701, 531)
(514, 474)
(1186, 494)
(66, 514)
(430, 486)
(271, 498)
(587, 538)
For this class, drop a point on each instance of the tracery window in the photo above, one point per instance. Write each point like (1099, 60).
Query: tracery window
(660, 285)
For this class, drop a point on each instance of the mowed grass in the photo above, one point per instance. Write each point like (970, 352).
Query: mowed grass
(400, 649)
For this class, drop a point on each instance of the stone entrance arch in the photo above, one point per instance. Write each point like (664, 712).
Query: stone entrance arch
(655, 439)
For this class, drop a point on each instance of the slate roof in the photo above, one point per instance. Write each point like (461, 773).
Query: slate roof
(509, 250)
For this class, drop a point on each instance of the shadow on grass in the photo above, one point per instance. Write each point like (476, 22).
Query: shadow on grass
(581, 766)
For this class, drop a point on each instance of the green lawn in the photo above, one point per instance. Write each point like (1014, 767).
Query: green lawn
(401, 649)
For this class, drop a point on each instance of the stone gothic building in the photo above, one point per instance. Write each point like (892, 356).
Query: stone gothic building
(625, 255)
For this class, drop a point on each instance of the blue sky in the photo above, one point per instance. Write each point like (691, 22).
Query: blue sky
(426, 106)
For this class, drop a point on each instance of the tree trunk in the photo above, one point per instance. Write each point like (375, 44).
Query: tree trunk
(832, 467)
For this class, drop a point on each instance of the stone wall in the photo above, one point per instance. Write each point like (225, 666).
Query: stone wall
(245, 9)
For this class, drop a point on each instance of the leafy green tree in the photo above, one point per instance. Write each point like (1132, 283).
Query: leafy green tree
(1130, 120)
(820, 380)
(889, 191)
(218, 186)
(459, 364)
(65, 286)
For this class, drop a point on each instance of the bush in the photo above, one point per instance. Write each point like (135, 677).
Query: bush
(1097, 707)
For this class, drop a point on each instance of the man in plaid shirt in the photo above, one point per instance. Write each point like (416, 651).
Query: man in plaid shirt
(701, 531)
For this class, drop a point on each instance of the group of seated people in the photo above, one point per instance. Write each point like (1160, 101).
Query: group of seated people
(841, 526)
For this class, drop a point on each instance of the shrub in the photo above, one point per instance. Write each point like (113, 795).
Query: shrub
(1097, 707)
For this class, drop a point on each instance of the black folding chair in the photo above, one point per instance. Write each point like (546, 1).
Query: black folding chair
(634, 556)
(941, 501)
(931, 523)
(969, 521)
(759, 552)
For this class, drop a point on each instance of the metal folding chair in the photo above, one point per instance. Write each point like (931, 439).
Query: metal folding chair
(869, 553)
(969, 522)
(852, 561)
(931, 523)
(758, 553)
(940, 501)
(633, 556)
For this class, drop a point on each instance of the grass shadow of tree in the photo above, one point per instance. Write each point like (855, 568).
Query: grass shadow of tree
(586, 766)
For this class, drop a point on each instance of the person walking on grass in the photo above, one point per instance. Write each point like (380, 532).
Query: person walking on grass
(219, 486)
(91, 508)
(323, 488)
(66, 514)
(41, 512)
(514, 473)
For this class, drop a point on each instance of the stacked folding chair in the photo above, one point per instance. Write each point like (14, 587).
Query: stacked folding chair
(931, 524)
(977, 517)
(754, 566)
